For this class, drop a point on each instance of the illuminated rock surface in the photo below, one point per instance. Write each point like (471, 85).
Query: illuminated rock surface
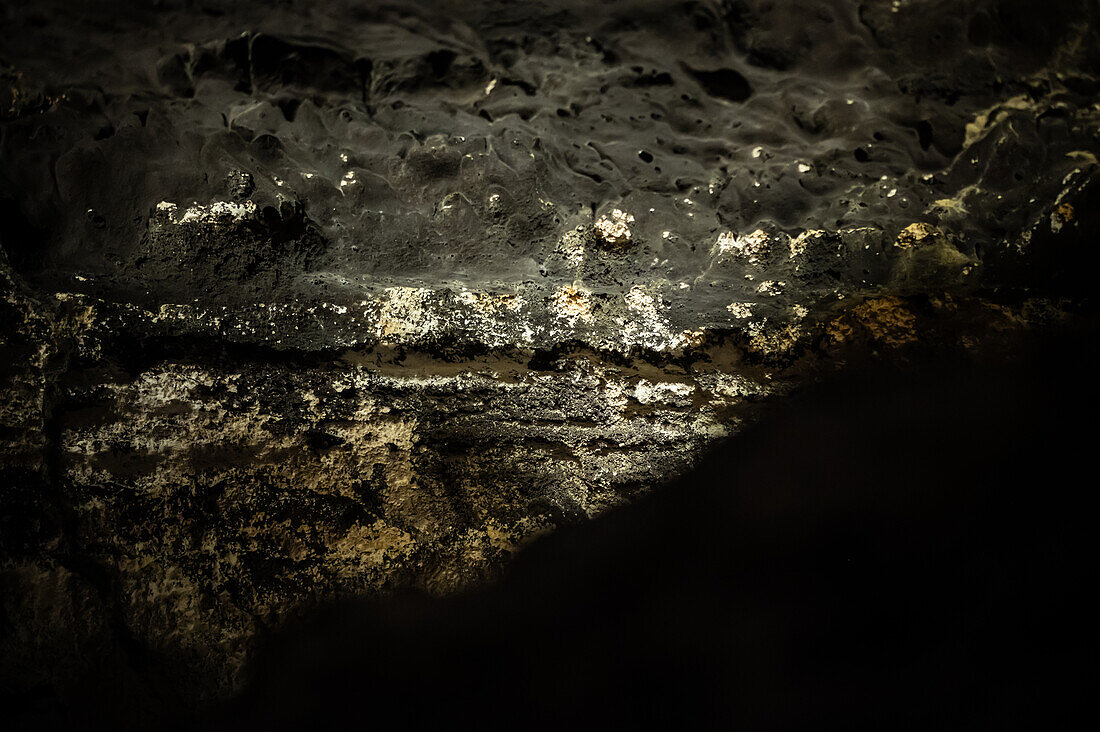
(299, 302)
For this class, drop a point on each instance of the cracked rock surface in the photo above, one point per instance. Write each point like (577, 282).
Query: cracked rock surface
(300, 302)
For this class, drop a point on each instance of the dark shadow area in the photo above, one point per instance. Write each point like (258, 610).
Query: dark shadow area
(910, 549)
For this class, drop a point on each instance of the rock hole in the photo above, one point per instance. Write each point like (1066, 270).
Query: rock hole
(95, 219)
(924, 134)
(724, 83)
(441, 62)
(289, 108)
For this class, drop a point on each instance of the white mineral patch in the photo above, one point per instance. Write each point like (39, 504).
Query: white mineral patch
(349, 179)
(641, 302)
(647, 326)
(572, 303)
(217, 212)
(614, 228)
(731, 386)
(403, 312)
(800, 242)
(752, 247)
(671, 393)
(486, 303)
(572, 248)
(779, 338)
(741, 309)
(688, 339)
(770, 287)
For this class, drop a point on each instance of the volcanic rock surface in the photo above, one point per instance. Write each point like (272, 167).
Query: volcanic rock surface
(303, 299)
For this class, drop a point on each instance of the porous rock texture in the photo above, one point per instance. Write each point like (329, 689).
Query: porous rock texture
(301, 300)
